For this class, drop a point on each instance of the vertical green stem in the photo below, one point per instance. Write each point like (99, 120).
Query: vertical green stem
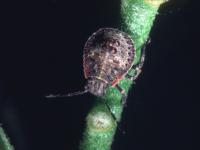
(4, 141)
(137, 19)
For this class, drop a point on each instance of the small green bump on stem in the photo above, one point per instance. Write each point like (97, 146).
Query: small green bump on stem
(99, 121)
(100, 128)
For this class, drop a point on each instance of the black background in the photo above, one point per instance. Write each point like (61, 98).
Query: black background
(41, 53)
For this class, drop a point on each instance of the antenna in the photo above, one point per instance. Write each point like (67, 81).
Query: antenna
(67, 95)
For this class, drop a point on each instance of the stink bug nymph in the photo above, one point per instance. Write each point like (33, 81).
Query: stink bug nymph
(108, 56)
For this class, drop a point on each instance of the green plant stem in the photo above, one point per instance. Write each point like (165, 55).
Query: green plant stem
(137, 18)
(4, 141)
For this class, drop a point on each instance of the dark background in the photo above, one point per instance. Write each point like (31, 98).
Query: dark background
(41, 53)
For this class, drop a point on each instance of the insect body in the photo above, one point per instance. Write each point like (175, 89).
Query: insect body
(108, 56)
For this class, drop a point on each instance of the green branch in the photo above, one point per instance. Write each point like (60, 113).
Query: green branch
(4, 141)
(137, 19)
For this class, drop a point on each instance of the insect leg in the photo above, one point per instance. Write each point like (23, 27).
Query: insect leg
(124, 95)
(67, 95)
(138, 67)
(113, 116)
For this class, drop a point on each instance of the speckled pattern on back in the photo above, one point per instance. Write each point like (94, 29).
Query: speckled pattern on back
(108, 55)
